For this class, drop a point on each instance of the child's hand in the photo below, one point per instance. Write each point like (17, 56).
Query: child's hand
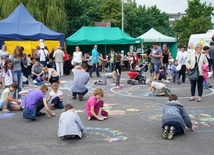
(100, 118)
(191, 129)
(53, 114)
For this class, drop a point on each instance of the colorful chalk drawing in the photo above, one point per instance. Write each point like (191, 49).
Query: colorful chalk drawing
(108, 108)
(140, 91)
(5, 115)
(202, 120)
(104, 134)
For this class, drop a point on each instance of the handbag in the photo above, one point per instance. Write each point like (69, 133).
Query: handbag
(194, 73)
(46, 56)
(29, 113)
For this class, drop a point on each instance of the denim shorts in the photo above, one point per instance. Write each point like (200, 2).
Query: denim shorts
(155, 68)
(9, 105)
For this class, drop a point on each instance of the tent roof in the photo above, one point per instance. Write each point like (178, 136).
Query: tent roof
(20, 25)
(154, 36)
(100, 35)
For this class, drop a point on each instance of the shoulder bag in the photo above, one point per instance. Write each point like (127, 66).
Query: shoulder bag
(29, 113)
(194, 73)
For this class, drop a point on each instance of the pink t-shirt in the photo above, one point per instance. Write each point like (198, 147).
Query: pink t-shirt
(91, 102)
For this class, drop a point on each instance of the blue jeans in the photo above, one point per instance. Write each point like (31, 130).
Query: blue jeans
(57, 102)
(178, 128)
(155, 68)
(53, 64)
(18, 76)
(44, 63)
(95, 67)
(111, 67)
(83, 93)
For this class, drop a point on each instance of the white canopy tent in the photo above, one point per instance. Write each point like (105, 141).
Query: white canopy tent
(154, 36)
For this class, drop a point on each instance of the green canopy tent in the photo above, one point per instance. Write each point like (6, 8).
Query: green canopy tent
(104, 36)
(154, 36)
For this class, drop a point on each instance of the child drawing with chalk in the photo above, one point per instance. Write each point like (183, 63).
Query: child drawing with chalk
(161, 88)
(174, 118)
(70, 125)
(94, 106)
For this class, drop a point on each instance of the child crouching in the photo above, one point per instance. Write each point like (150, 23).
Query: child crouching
(174, 118)
(161, 88)
(70, 124)
(94, 106)
(56, 97)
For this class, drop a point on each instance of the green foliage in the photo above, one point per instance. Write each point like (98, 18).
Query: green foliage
(110, 11)
(197, 20)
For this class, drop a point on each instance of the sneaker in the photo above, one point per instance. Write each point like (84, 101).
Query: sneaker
(73, 97)
(40, 114)
(35, 86)
(52, 107)
(171, 132)
(80, 97)
(105, 117)
(5, 110)
(165, 132)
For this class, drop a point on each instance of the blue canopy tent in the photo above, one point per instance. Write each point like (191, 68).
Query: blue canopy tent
(20, 25)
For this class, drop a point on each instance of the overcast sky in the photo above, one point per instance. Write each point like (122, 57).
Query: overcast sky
(169, 6)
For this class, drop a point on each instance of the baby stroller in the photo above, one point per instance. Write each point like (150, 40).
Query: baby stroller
(136, 75)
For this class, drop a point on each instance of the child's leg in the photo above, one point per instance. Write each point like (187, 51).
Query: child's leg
(98, 107)
(14, 107)
(57, 103)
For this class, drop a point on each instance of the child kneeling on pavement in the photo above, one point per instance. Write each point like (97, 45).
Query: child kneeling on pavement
(94, 106)
(161, 88)
(174, 118)
(70, 124)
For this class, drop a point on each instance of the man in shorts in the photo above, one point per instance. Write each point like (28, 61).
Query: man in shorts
(156, 55)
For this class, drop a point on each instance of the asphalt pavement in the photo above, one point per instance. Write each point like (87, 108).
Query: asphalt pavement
(133, 126)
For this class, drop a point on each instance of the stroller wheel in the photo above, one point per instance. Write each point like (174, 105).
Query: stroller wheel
(129, 81)
(133, 83)
(140, 81)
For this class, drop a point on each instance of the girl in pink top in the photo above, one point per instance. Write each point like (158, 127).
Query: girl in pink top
(94, 106)
(205, 69)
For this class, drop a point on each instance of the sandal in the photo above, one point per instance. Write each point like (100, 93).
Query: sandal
(191, 99)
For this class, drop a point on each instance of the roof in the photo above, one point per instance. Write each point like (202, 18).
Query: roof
(154, 36)
(101, 35)
(20, 25)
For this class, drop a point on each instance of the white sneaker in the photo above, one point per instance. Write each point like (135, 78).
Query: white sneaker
(5, 110)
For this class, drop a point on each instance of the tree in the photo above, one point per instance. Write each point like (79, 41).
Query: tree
(197, 20)
(110, 11)
(154, 18)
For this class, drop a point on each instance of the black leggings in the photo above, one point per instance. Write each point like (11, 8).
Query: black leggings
(200, 86)
(182, 72)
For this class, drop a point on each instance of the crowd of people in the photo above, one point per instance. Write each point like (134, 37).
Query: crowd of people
(46, 69)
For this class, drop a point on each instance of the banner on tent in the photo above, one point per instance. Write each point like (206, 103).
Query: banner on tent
(102, 24)
(29, 46)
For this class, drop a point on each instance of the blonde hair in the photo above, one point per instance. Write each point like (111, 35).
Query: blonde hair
(198, 46)
(55, 85)
(98, 91)
(43, 88)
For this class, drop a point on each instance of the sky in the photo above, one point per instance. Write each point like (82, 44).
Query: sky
(169, 6)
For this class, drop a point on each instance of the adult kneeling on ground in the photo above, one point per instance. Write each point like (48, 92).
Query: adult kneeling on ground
(81, 78)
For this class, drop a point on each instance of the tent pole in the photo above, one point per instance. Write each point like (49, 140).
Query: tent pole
(105, 49)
